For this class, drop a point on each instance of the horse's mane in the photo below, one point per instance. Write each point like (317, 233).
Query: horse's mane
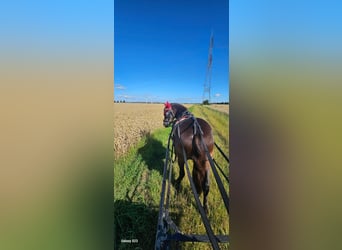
(180, 109)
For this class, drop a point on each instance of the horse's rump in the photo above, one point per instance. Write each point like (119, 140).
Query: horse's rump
(188, 134)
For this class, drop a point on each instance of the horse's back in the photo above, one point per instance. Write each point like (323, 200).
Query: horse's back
(188, 131)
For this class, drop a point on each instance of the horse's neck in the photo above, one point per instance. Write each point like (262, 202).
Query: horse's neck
(179, 111)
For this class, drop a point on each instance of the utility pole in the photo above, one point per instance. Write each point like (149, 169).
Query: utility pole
(207, 82)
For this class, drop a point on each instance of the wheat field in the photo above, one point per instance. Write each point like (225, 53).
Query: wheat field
(220, 107)
(132, 121)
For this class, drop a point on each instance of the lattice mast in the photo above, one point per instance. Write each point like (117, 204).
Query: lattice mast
(207, 82)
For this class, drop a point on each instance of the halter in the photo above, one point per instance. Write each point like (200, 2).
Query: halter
(175, 121)
(185, 115)
(168, 108)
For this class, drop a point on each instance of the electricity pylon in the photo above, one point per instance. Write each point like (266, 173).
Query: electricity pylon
(207, 82)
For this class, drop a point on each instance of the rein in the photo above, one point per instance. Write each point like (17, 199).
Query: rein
(185, 115)
(212, 238)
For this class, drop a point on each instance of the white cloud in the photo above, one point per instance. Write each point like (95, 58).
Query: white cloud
(119, 86)
(126, 96)
(217, 95)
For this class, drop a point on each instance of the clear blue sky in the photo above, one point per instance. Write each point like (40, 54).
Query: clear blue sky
(161, 50)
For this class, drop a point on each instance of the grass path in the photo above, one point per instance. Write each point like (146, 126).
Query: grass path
(137, 184)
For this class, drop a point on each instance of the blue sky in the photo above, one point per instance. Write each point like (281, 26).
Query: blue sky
(161, 50)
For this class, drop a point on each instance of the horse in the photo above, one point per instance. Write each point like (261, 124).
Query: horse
(186, 132)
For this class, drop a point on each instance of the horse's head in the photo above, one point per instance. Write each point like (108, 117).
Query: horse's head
(169, 115)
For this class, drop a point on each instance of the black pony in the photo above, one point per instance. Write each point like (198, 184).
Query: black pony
(186, 132)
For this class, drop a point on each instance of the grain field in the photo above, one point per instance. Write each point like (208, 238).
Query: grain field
(132, 121)
(220, 107)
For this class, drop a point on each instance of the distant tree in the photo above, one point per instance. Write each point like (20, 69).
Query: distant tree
(205, 102)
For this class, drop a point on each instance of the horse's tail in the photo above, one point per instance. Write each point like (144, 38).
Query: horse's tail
(199, 159)
(198, 141)
(197, 145)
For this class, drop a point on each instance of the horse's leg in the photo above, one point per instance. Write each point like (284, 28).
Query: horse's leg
(206, 184)
(181, 173)
(201, 181)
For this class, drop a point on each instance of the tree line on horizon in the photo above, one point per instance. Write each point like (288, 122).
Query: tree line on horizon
(205, 102)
